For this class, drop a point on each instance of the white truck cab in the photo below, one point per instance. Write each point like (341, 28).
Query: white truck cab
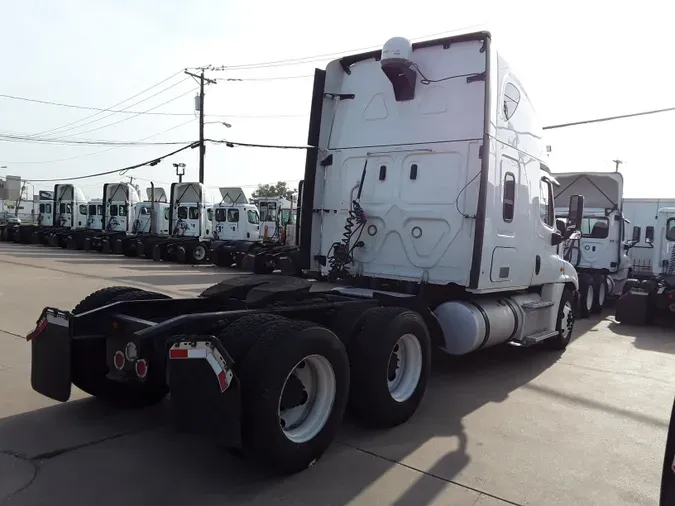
(118, 200)
(275, 213)
(234, 218)
(662, 239)
(46, 208)
(601, 254)
(188, 214)
(95, 214)
(67, 211)
(431, 176)
(157, 207)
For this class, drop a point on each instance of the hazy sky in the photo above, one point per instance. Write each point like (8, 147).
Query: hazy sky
(578, 60)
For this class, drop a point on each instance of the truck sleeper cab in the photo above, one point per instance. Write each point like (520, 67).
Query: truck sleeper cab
(653, 299)
(94, 211)
(600, 255)
(151, 225)
(190, 224)
(119, 200)
(68, 214)
(457, 253)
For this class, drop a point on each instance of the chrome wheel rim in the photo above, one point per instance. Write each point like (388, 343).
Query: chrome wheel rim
(302, 422)
(199, 253)
(567, 320)
(405, 368)
(590, 295)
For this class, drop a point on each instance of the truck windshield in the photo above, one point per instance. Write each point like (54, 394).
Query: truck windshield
(221, 215)
(113, 210)
(253, 217)
(194, 213)
(182, 213)
(92, 210)
(670, 229)
(123, 209)
(595, 228)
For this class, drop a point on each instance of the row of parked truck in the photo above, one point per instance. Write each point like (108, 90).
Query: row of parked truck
(186, 227)
(427, 199)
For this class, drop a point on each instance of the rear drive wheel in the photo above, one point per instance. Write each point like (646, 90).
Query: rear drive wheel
(295, 384)
(600, 293)
(565, 324)
(586, 295)
(181, 255)
(89, 361)
(199, 253)
(390, 360)
(157, 253)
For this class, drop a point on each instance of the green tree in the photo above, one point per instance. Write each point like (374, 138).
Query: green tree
(280, 189)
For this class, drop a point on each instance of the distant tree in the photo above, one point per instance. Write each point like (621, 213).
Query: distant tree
(280, 189)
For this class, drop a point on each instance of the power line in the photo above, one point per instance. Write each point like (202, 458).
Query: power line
(134, 116)
(88, 142)
(325, 56)
(149, 113)
(101, 151)
(121, 171)
(231, 144)
(122, 110)
(609, 118)
(279, 78)
(111, 107)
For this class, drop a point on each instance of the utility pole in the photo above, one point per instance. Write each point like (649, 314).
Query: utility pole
(202, 148)
(617, 162)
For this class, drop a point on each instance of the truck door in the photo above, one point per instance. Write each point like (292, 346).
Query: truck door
(598, 242)
(544, 253)
(511, 261)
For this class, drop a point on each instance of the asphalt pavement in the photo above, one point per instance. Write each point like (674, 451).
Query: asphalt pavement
(504, 426)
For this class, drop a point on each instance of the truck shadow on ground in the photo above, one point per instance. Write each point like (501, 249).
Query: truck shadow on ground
(659, 338)
(135, 456)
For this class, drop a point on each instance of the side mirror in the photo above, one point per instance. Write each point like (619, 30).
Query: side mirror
(576, 212)
(556, 238)
(649, 235)
(637, 234)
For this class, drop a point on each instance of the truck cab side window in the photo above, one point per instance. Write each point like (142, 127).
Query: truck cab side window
(511, 100)
(670, 229)
(509, 203)
(546, 202)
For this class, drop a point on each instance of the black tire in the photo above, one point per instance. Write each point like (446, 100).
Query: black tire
(585, 285)
(561, 341)
(264, 373)
(199, 253)
(347, 322)
(157, 253)
(222, 259)
(599, 283)
(181, 255)
(370, 354)
(240, 335)
(105, 247)
(89, 364)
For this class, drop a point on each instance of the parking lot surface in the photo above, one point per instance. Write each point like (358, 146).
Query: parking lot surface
(504, 426)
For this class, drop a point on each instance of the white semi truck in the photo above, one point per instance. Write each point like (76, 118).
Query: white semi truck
(29, 233)
(119, 201)
(150, 225)
(600, 256)
(426, 194)
(643, 213)
(652, 298)
(69, 215)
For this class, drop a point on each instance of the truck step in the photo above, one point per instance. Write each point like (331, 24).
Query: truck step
(537, 304)
(535, 338)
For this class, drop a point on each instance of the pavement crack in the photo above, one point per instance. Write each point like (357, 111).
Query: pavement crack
(68, 449)
(36, 470)
(427, 473)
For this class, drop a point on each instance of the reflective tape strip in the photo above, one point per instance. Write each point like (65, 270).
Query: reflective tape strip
(188, 353)
(212, 356)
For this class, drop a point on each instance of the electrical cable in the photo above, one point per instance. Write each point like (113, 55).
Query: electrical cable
(609, 118)
(103, 150)
(192, 90)
(322, 57)
(112, 106)
(121, 172)
(121, 110)
(231, 144)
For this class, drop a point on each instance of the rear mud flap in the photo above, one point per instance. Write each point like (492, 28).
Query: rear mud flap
(205, 393)
(633, 308)
(50, 355)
